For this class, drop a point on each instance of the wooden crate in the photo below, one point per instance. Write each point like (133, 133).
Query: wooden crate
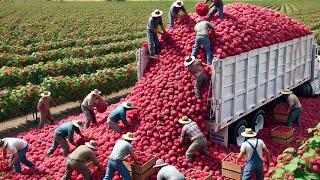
(140, 169)
(280, 137)
(280, 116)
(143, 176)
(209, 177)
(231, 170)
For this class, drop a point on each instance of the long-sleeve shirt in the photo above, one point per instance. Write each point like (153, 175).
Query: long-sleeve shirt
(84, 153)
(191, 130)
(196, 67)
(44, 104)
(89, 102)
(201, 28)
(67, 130)
(118, 114)
(170, 173)
(120, 150)
(175, 10)
(153, 23)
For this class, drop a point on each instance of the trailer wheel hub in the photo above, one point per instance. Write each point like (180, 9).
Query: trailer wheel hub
(240, 139)
(259, 123)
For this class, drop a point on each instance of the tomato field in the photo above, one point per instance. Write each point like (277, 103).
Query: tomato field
(72, 48)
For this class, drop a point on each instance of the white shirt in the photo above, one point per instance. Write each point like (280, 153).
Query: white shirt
(120, 150)
(90, 102)
(201, 28)
(245, 147)
(15, 144)
(169, 173)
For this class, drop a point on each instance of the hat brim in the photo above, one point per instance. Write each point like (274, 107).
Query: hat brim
(244, 134)
(43, 95)
(186, 63)
(153, 14)
(286, 92)
(126, 106)
(90, 146)
(4, 144)
(76, 125)
(160, 165)
(124, 136)
(185, 122)
(99, 92)
(177, 5)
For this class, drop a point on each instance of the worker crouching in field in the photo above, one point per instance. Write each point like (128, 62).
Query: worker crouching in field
(253, 148)
(195, 67)
(294, 109)
(215, 6)
(152, 33)
(175, 8)
(44, 108)
(166, 171)
(119, 114)
(90, 102)
(199, 141)
(65, 130)
(119, 152)
(18, 149)
(78, 158)
(202, 38)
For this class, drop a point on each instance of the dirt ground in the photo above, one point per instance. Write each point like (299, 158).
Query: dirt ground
(12, 127)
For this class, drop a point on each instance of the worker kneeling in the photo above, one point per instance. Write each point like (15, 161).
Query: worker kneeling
(78, 158)
(199, 141)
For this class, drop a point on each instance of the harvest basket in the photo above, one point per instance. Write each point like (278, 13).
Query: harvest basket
(232, 170)
(282, 137)
(280, 116)
(140, 169)
(209, 177)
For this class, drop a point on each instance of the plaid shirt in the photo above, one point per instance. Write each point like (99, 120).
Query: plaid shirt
(192, 130)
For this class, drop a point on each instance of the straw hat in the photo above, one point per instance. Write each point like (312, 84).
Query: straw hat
(248, 133)
(189, 60)
(92, 144)
(198, 20)
(45, 94)
(128, 136)
(185, 120)
(96, 92)
(178, 3)
(3, 143)
(128, 105)
(156, 13)
(286, 91)
(160, 163)
(77, 123)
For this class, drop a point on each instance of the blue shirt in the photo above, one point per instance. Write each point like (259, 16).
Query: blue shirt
(175, 10)
(153, 23)
(118, 114)
(66, 130)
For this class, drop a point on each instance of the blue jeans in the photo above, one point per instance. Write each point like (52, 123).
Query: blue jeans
(215, 9)
(59, 140)
(294, 116)
(114, 166)
(202, 40)
(153, 43)
(171, 19)
(21, 158)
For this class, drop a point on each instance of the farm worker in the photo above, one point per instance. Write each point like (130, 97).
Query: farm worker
(294, 109)
(44, 108)
(152, 33)
(120, 150)
(166, 171)
(119, 114)
(91, 101)
(195, 67)
(78, 158)
(18, 149)
(202, 38)
(199, 141)
(215, 6)
(253, 149)
(175, 8)
(65, 130)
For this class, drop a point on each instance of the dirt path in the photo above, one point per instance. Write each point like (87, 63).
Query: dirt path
(12, 127)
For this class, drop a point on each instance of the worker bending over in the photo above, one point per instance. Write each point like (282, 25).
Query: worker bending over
(294, 109)
(174, 10)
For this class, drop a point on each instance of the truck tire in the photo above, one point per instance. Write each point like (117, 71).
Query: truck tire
(236, 129)
(257, 120)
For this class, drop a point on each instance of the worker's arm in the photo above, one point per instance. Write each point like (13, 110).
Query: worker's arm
(183, 134)
(184, 9)
(70, 136)
(123, 117)
(206, 1)
(134, 157)
(15, 159)
(267, 156)
(211, 5)
(240, 156)
(39, 106)
(95, 160)
(289, 109)
(4, 153)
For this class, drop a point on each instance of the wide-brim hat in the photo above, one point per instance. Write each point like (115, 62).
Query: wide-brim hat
(45, 94)
(3, 143)
(77, 123)
(248, 133)
(185, 120)
(156, 13)
(286, 91)
(96, 92)
(178, 3)
(128, 105)
(128, 136)
(189, 60)
(92, 144)
(160, 163)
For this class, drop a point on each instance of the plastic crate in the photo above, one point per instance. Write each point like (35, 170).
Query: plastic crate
(281, 137)
(231, 170)
(209, 177)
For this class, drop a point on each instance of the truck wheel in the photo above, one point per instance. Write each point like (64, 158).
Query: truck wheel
(238, 128)
(257, 120)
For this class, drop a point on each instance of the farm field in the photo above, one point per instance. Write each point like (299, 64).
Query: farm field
(72, 48)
